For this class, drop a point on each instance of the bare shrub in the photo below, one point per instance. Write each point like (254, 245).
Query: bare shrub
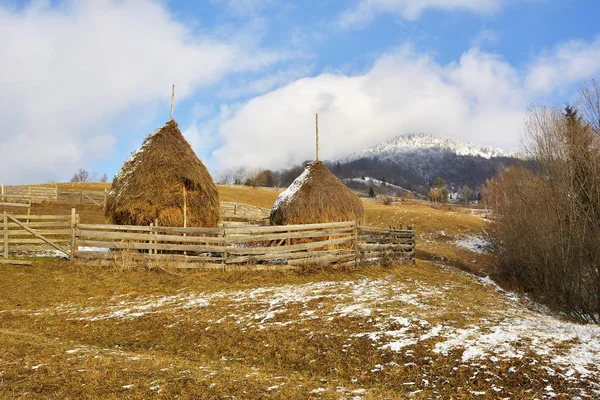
(549, 219)
(387, 200)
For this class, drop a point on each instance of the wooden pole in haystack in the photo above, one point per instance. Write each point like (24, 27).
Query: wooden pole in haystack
(317, 139)
(172, 101)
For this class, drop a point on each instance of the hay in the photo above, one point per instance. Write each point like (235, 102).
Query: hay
(151, 184)
(316, 196)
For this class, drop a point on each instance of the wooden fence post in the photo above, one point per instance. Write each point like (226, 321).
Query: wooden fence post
(156, 234)
(81, 197)
(356, 243)
(5, 235)
(225, 249)
(73, 234)
(2, 191)
(105, 194)
(414, 244)
(56, 192)
(150, 241)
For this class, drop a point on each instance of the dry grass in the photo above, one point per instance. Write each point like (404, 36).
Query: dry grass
(249, 195)
(73, 331)
(97, 333)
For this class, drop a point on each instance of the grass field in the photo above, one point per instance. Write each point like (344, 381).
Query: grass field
(429, 330)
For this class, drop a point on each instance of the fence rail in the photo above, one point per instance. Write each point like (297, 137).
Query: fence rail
(341, 243)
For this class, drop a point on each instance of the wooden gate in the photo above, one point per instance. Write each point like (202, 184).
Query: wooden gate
(24, 233)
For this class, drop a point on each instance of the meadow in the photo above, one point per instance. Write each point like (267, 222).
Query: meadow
(437, 329)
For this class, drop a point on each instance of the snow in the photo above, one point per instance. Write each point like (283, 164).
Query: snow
(420, 142)
(476, 244)
(393, 313)
(378, 183)
(288, 194)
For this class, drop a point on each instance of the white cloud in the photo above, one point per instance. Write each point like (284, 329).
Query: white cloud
(402, 92)
(566, 64)
(265, 83)
(479, 98)
(68, 70)
(366, 10)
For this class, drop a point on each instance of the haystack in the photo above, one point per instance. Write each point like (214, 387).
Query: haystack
(159, 181)
(316, 196)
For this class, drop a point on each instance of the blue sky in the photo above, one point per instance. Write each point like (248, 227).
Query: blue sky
(83, 83)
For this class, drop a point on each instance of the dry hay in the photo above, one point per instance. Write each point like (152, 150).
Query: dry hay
(151, 185)
(316, 196)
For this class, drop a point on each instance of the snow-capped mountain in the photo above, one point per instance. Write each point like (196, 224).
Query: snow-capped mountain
(413, 161)
(397, 147)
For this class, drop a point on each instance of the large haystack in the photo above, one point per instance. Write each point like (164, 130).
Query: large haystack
(153, 183)
(316, 196)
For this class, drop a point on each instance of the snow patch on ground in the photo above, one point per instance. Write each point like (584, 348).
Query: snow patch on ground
(476, 244)
(394, 314)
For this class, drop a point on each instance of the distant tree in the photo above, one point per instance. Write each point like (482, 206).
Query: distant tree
(239, 175)
(262, 178)
(223, 179)
(104, 178)
(362, 177)
(81, 176)
(438, 192)
(338, 167)
(383, 181)
(467, 194)
(371, 192)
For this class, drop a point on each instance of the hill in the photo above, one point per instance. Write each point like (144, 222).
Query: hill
(386, 332)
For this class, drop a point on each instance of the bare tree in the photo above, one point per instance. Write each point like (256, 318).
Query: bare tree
(467, 194)
(81, 176)
(239, 175)
(549, 219)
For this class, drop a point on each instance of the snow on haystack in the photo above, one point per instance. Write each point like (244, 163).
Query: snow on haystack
(316, 196)
(289, 193)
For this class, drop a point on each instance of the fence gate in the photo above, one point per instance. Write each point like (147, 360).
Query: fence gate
(24, 233)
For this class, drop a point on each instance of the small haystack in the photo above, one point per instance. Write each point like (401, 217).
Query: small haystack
(159, 181)
(316, 196)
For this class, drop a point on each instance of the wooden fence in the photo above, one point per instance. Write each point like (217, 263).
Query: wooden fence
(234, 211)
(382, 245)
(287, 246)
(82, 197)
(38, 194)
(35, 194)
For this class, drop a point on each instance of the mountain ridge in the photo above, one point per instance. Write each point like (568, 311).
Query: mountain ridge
(390, 149)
